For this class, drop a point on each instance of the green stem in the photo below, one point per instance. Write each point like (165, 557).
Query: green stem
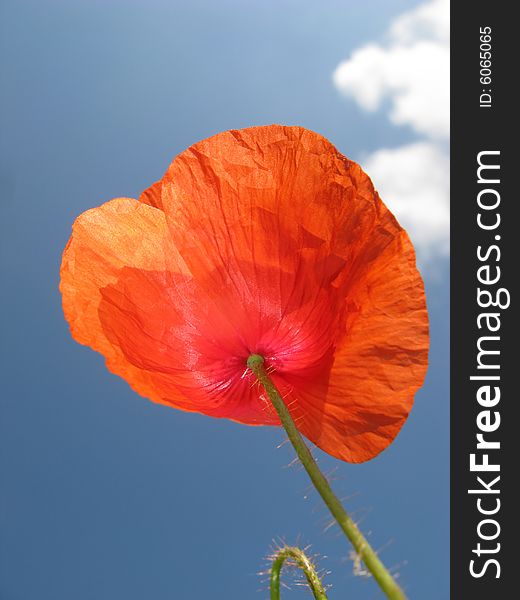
(299, 557)
(363, 549)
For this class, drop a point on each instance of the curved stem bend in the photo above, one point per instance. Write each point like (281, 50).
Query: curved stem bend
(305, 564)
(363, 549)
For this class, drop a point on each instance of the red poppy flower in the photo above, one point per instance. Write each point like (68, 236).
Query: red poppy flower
(264, 240)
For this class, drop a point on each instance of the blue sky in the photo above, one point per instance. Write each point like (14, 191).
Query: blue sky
(106, 495)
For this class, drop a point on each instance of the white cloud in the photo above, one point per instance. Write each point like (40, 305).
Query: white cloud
(415, 180)
(411, 76)
(410, 71)
(427, 21)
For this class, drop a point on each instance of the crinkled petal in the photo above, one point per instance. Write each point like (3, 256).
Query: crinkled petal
(379, 363)
(265, 240)
(104, 241)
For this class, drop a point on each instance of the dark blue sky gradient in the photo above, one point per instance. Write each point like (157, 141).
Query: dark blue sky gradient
(104, 494)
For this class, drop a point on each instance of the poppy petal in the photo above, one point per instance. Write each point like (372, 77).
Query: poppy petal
(104, 241)
(379, 363)
(152, 195)
(260, 241)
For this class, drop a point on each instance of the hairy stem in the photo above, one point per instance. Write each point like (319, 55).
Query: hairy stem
(297, 556)
(363, 549)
